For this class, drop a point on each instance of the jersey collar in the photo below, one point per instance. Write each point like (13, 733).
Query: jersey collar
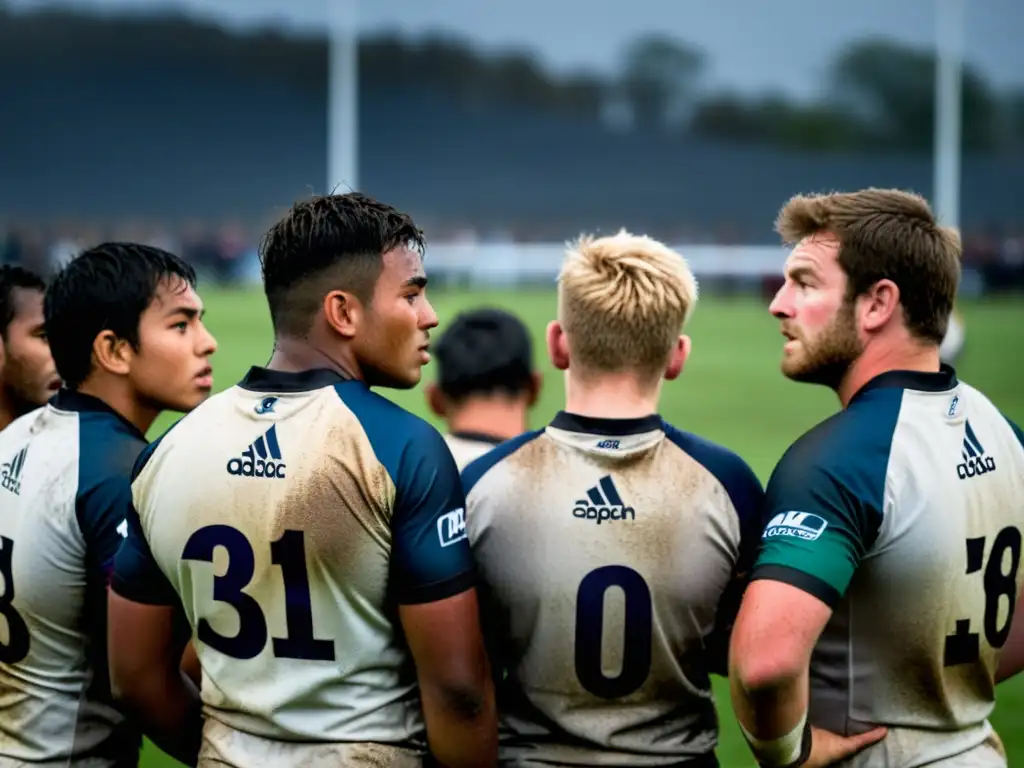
(478, 437)
(941, 381)
(78, 402)
(573, 422)
(265, 380)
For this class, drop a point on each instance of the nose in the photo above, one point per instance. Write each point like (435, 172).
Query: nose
(207, 343)
(429, 317)
(781, 307)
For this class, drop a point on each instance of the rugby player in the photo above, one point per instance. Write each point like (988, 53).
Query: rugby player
(892, 538)
(124, 326)
(612, 545)
(28, 377)
(312, 531)
(486, 382)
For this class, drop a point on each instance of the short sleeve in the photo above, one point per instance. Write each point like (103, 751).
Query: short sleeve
(137, 577)
(431, 558)
(102, 512)
(817, 528)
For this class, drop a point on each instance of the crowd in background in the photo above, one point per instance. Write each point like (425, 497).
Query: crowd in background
(227, 253)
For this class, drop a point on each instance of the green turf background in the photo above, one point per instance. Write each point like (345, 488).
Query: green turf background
(730, 392)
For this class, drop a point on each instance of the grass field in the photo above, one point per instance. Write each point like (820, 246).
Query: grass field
(731, 392)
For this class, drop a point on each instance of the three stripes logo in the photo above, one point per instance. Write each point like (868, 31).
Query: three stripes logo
(261, 459)
(10, 472)
(603, 503)
(975, 461)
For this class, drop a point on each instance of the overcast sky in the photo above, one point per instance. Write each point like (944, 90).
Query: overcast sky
(753, 45)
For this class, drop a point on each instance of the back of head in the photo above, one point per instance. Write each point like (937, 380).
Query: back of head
(14, 278)
(622, 301)
(325, 243)
(106, 288)
(886, 234)
(483, 352)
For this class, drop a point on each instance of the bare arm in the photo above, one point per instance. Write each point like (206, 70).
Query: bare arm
(455, 680)
(146, 658)
(776, 630)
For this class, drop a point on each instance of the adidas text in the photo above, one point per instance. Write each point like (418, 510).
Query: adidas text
(261, 459)
(10, 483)
(600, 514)
(975, 466)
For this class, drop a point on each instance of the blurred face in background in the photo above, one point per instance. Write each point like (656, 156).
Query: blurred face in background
(28, 376)
(816, 316)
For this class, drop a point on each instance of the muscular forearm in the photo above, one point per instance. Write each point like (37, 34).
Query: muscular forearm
(771, 708)
(170, 712)
(462, 730)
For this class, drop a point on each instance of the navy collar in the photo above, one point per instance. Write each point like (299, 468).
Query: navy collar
(942, 380)
(573, 422)
(479, 437)
(265, 380)
(78, 402)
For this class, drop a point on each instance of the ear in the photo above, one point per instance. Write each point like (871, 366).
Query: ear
(436, 400)
(343, 312)
(112, 354)
(533, 394)
(877, 306)
(558, 346)
(676, 360)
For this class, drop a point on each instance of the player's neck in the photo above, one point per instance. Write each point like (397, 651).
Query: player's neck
(7, 414)
(119, 397)
(297, 355)
(610, 396)
(908, 355)
(11, 408)
(499, 417)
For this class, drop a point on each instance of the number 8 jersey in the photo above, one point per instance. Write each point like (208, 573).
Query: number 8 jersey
(290, 515)
(611, 555)
(904, 513)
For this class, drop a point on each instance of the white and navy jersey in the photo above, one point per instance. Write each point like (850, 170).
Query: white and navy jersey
(904, 513)
(290, 515)
(611, 554)
(64, 480)
(469, 446)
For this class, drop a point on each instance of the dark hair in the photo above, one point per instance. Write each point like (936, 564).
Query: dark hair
(106, 288)
(12, 277)
(886, 234)
(484, 351)
(329, 242)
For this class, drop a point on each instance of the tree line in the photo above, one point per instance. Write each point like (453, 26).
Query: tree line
(880, 92)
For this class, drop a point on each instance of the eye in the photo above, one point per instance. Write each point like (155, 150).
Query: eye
(182, 326)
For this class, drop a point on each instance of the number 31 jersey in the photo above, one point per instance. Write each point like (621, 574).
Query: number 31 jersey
(290, 515)
(611, 554)
(904, 514)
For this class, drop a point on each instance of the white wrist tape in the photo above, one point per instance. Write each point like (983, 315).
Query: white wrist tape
(784, 750)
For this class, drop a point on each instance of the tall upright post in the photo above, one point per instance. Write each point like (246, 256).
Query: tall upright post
(342, 96)
(950, 16)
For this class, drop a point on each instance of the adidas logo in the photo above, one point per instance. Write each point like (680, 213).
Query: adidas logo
(975, 461)
(261, 459)
(10, 473)
(603, 503)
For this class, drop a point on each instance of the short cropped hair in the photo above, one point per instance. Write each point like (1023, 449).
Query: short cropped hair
(622, 301)
(106, 288)
(886, 234)
(14, 277)
(325, 243)
(482, 352)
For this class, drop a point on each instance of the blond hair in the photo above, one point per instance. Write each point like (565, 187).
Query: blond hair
(622, 301)
(886, 234)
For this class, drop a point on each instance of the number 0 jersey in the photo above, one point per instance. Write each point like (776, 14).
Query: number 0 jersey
(609, 551)
(64, 482)
(290, 515)
(904, 514)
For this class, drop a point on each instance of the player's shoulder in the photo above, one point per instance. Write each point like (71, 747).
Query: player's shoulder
(981, 405)
(850, 449)
(728, 467)
(475, 471)
(403, 442)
